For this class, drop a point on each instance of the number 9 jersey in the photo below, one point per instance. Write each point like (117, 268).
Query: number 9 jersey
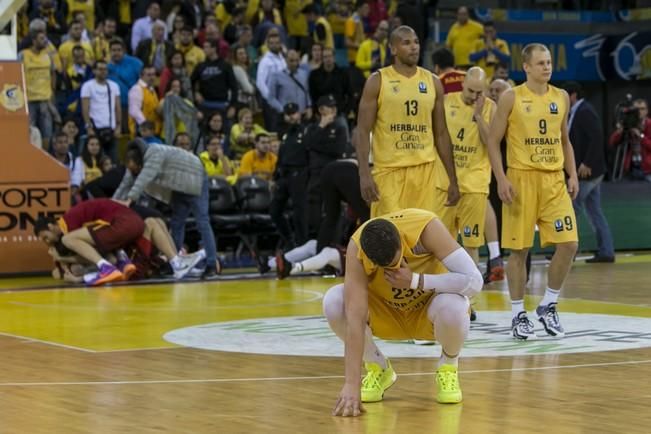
(533, 139)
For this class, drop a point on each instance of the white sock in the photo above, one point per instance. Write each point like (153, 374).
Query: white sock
(327, 256)
(493, 249)
(102, 262)
(517, 306)
(447, 360)
(551, 296)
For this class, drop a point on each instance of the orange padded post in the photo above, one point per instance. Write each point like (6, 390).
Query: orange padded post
(32, 183)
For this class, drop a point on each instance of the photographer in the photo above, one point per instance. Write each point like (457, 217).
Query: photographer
(637, 160)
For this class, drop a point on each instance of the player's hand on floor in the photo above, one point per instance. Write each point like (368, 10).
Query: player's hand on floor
(368, 188)
(349, 402)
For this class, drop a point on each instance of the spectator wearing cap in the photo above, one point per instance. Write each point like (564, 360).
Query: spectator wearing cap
(193, 55)
(142, 28)
(290, 85)
(155, 50)
(214, 82)
(259, 161)
(326, 141)
(322, 31)
(290, 179)
(330, 79)
(272, 62)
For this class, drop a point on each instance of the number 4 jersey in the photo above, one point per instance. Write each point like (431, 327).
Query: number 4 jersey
(403, 134)
(533, 138)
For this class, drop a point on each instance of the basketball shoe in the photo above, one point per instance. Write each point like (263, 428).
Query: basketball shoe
(548, 317)
(376, 381)
(522, 327)
(107, 274)
(494, 270)
(448, 390)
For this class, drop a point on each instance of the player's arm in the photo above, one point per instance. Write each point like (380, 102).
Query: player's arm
(483, 124)
(568, 154)
(356, 312)
(463, 276)
(443, 142)
(367, 113)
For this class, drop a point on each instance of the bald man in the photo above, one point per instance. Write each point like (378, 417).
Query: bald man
(468, 114)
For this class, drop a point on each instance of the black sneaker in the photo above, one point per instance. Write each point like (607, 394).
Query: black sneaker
(283, 266)
(209, 273)
(494, 270)
(473, 315)
(262, 264)
(548, 317)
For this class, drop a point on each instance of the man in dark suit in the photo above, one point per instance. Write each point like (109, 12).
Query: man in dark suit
(587, 137)
(155, 50)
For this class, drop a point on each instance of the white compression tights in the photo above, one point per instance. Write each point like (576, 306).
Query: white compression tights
(327, 256)
(448, 313)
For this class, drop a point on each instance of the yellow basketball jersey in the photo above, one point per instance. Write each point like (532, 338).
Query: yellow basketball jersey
(38, 75)
(410, 223)
(533, 138)
(470, 154)
(403, 133)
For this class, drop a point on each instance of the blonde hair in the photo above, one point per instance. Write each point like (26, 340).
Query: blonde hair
(528, 50)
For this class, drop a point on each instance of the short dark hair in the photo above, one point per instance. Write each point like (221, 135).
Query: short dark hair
(489, 23)
(134, 154)
(261, 135)
(149, 125)
(78, 48)
(573, 87)
(59, 134)
(98, 61)
(380, 240)
(179, 135)
(42, 224)
(117, 41)
(443, 58)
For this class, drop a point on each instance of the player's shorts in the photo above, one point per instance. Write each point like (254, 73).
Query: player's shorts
(123, 230)
(404, 187)
(467, 217)
(541, 198)
(392, 324)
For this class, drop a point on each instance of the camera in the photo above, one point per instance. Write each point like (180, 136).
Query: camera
(626, 114)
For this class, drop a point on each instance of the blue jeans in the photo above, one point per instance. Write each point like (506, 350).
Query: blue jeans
(182, 205)
(589, 199)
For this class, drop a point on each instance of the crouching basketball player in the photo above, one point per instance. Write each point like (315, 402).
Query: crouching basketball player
(397, 287)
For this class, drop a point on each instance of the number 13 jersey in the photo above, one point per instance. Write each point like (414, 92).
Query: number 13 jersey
(533, 138)
(403, 134)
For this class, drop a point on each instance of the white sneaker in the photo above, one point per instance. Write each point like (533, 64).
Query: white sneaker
(522, 328)
(186, 263)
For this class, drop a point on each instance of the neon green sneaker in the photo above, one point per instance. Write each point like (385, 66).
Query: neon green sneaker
(447, 385)
(376, 381)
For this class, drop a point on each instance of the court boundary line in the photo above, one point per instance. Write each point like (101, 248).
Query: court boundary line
(41, 341)
(306, 378)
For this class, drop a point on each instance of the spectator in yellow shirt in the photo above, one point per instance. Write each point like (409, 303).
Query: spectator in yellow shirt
(243, 133)
(65, 50)
(490, 50)
(462, 37)
(354, 31)
(372, 53)
(193, 55)
(259, 161)
(296, 24)
(214, 160)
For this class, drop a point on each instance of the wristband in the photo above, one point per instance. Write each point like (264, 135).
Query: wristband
(414, 280)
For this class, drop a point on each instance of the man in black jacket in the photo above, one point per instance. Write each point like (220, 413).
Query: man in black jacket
(587, 137)
(155, 50)
(326, 142)
(329, 79)
(214, 82)
(290, 180)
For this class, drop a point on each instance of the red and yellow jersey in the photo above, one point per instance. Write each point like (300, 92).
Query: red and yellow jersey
(91, 212)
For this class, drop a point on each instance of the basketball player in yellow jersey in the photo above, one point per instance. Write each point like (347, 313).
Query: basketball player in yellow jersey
(402, 105)
(468, 114)
(533, 191)
(397, 287)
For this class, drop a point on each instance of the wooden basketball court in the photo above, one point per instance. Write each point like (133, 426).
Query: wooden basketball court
(118, 360)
